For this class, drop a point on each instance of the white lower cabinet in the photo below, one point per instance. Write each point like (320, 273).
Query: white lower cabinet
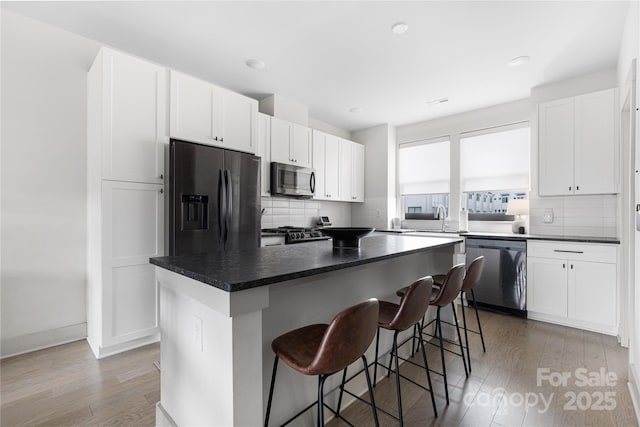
(122, 290)
(573, 284)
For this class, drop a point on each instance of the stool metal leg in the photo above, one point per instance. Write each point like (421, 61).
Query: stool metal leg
(475, 305)
(321, 379)
(464, 359)
(444, 368)
(370, 388)
(344, 378)
(273, 382)
(466, 335)
(395, 352)
(426, 368)
(375, 362)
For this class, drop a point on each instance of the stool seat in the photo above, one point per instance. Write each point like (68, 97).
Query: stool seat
(387, 313)
(299, 347)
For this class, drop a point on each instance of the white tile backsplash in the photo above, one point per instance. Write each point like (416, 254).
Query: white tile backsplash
(575, 215)
(303, 213)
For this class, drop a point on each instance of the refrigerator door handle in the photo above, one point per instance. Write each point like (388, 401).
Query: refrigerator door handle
(222, 200)
(313, 182)
(229, 204)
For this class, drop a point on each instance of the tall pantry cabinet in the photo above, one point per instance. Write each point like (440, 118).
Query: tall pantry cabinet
(126, 139)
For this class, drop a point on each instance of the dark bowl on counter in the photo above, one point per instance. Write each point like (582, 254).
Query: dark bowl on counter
(347, 237)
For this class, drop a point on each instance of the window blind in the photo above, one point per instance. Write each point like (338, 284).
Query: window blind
(423, 167)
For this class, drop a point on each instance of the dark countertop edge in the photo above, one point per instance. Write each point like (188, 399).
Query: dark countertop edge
(579, 239)
(240, 286)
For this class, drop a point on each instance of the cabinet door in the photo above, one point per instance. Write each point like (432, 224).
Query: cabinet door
(592, 292)
(547, 286)
(301, 145)
(281, 141)
(595, 143)
(332, 167)
(318, 164)
(238, 118)
(192, 109)
(134, 111)
(345, 171)
(133, 218)
(263, 150)
(357, 172)
(555, 139)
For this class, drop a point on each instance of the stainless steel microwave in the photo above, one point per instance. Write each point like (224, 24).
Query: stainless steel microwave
(294, 181)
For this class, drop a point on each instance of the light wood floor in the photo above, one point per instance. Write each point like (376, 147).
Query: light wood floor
(66, 385)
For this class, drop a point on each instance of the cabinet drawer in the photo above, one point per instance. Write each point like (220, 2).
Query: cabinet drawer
(573, 251)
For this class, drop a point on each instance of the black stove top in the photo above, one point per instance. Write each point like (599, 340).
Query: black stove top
(297, 234)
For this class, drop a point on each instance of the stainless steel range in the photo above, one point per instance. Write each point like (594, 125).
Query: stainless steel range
(296, 234)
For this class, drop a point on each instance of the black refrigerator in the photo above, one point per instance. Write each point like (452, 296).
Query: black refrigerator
(214, 199)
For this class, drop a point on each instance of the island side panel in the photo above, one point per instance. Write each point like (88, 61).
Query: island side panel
(211, 353)
(317, 299)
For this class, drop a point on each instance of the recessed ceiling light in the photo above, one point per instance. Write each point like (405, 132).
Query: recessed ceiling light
(519, 60)
(438, 101)
(355, 109)
(256, 64)
(400, 27)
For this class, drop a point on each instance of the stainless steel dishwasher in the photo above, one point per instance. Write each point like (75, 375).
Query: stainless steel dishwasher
(503, 283)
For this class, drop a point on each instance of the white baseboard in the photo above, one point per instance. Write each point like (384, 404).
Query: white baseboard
(634, 389)
(101, 352)
(163, 419)
(39, 340)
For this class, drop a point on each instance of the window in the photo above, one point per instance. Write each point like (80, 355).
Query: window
(494, 168)
(423, 175)
(495, 159)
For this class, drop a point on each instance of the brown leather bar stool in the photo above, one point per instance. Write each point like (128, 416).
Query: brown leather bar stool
(471, 278)
(445, 295)
(398, 318)
(323, 350)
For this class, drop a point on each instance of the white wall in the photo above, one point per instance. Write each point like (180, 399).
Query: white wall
(43, 183)
(630, 49)
(327, 128)
(379, 205)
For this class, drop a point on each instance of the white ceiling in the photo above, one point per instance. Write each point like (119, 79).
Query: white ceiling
(332, 56)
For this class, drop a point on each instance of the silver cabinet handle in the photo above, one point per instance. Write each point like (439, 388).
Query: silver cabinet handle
(162, 191)
(161, 176)
(568, 252)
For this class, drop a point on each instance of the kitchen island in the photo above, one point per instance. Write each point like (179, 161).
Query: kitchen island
(220, 312)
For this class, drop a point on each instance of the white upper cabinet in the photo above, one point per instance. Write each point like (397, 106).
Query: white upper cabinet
(595, 148)
(326, 163)
(263, 150)
(132, 99)
(206, 113)
(556, 147)
(290, 143)
(351, 171)
(578, 145)
(357, 172)
(346, 191)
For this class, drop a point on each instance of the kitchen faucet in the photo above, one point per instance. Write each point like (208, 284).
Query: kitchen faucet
(441, 214)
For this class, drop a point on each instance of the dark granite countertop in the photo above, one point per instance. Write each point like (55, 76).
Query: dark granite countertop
(512, 236)
(237, 271)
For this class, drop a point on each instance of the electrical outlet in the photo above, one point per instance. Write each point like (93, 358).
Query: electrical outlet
(547, 217)
(197, 333)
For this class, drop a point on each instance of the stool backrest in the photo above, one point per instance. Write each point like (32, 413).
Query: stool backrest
(473, 273)
(451, 286)
(347, 338)
(413, 305)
